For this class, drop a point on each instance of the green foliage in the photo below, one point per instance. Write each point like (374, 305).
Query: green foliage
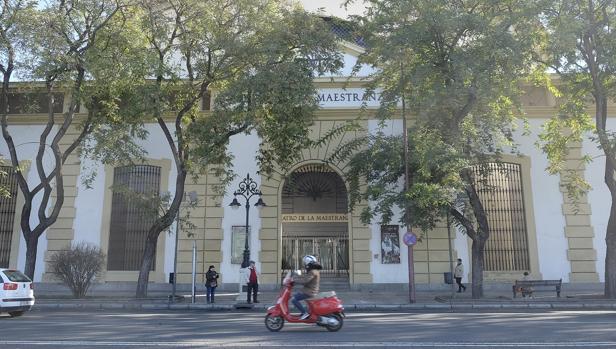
(258, 58)
(580, 46)
(434, 167)
(457, 66)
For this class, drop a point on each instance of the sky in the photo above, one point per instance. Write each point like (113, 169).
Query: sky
(332, 7)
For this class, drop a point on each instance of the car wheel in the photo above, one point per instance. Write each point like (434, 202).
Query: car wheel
(274, 323)
(16, 313)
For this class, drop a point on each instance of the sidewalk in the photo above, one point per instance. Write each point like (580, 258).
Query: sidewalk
(352, 300)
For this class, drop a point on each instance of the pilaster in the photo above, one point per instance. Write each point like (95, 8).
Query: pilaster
(579, 232)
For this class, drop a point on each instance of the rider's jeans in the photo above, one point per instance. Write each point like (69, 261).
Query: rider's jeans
(299, 296)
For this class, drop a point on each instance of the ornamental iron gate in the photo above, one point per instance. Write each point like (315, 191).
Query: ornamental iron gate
(332, 253)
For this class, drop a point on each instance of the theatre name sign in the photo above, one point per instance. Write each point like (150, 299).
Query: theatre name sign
(347, 98)
(314, 217)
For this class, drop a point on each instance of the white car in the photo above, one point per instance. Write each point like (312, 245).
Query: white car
(16, 292)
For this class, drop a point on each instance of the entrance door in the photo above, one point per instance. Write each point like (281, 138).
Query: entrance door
(331, 251)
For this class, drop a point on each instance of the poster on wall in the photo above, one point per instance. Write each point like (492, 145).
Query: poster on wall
(390, 244)
(238, 237)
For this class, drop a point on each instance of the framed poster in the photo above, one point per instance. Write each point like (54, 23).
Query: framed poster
(390, 244)
(238, 238)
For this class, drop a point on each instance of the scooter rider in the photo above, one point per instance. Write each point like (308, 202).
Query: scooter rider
(311, 281)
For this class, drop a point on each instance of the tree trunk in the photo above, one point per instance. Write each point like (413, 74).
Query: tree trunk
(161, 224)
(478, 248)
(610, 253)
(146, 264)
(31, 251)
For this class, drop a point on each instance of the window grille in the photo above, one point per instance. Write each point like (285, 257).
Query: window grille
(7, 214)
(131, 217)
(33, 103)
(501, 190)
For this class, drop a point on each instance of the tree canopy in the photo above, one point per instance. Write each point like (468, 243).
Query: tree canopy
(455, 67)
(255, 59)
(580, 47)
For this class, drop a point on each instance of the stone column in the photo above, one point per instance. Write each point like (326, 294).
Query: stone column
(361, 255)
(213, 232)
(269, 233)
(197, 232)
(578, 229)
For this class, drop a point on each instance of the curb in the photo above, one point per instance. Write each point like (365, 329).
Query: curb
(347, 307)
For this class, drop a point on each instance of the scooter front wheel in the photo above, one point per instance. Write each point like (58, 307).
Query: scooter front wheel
(274, 323)
(334, 328)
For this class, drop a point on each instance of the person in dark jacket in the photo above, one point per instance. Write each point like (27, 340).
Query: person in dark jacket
(211, 282)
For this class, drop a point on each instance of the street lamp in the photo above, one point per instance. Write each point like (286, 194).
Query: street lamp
(247, 188)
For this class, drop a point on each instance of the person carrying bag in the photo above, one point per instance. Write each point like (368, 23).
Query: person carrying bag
(211, 282)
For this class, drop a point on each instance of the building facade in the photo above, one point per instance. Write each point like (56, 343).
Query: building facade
(536, 227)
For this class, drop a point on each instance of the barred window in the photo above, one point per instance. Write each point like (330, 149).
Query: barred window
(501, 191)
(8, 181)
(32, 103)
(131, 217)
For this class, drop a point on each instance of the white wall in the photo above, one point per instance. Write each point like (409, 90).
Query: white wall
(599, 198)
(547, 202)
(349, 62)
(244, 148)
(387, 273)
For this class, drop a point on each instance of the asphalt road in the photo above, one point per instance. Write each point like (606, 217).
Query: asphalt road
(171, 329)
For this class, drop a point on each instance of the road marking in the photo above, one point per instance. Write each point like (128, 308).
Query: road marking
(314, 344)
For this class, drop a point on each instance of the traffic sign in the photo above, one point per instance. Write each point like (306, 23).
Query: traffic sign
(409, 238)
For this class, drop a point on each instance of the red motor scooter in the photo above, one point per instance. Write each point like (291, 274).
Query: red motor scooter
(325, 310)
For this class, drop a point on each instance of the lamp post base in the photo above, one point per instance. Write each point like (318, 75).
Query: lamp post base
(241, 295)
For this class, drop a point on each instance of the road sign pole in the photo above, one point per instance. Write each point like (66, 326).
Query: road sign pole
(410, 239)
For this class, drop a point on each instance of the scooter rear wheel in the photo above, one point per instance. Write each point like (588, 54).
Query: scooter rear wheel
(336, 327)
(274, 323)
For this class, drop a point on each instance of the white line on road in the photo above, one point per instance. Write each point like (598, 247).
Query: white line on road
(317, 344)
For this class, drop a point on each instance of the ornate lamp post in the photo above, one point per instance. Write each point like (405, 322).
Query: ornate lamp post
(247, 188)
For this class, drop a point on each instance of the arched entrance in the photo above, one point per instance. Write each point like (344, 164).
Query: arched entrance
(315, 221)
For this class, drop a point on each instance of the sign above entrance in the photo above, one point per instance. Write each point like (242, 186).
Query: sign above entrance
(347, 98)
(314, 217)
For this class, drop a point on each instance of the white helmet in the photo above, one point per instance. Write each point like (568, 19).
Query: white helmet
(308, 259)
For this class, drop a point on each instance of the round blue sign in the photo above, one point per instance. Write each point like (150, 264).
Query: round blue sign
(409, 238)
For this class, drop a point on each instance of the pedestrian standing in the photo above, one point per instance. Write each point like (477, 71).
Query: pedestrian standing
(211, 282)
(252, 283)
(458, 273)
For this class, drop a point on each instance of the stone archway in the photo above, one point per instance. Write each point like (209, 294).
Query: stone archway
(314, 220)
